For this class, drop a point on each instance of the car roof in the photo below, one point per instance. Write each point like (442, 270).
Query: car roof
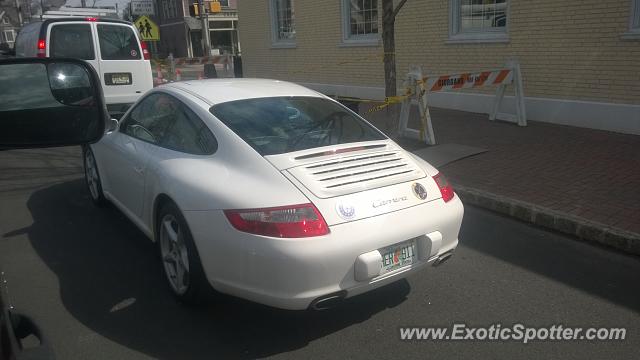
(215, 91)
(84, 19)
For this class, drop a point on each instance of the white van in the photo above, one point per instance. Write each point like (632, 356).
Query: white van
(112, 46)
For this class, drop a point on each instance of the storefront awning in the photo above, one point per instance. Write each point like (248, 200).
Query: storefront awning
(193, 24)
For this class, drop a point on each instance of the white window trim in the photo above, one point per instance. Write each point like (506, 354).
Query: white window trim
(5, 20)
(275, 42)
(357, 40)
(634, 22)
(13, 36)
(457, 37)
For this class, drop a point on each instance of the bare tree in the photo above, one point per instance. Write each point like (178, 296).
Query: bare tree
(389, 14)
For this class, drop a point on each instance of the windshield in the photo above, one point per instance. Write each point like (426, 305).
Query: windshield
(278, 125)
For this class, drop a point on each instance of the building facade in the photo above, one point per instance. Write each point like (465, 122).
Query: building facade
(580, 59)
(181, 33)
(13, 14)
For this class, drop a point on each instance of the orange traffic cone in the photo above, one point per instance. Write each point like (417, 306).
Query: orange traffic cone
(200, 75)
(158, 79)
(178, 75)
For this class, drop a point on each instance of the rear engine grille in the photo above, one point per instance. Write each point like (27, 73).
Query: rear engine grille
(356, 173)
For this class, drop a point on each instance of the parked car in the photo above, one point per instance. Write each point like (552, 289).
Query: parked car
(272, 192)
(112, 46)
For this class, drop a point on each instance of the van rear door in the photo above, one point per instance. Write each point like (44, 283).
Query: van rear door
(72, 40)
(125, 74)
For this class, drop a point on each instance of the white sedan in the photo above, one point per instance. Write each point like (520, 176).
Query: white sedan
(271, 192)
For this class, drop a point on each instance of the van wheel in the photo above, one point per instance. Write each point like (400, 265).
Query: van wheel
(180, 259)
(92, 177)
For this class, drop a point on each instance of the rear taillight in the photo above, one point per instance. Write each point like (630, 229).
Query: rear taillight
(445, 187)
(91, 19)
(295, 221)
(145, 50)
(42, 48)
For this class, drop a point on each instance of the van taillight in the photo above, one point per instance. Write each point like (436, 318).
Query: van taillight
(42, 48)
(145, 51)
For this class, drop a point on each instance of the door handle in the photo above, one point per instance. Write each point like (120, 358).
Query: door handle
(139, 170)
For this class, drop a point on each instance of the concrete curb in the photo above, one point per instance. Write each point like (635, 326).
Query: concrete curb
(583, 229)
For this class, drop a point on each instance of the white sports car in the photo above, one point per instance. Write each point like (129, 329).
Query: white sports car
(271, 192)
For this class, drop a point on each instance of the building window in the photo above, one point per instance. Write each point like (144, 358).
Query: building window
(283, 25)
(478, 20)
(360, 22)
(224, 3)
(9, 36)
(169, 9)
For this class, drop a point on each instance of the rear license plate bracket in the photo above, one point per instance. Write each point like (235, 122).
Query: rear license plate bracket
(397, 256)
(117, 78)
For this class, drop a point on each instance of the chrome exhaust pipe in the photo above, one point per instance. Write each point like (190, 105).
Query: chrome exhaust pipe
(328, 301)
(442, 258)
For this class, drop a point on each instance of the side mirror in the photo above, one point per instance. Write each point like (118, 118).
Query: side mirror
(113, 125)
(50, 102)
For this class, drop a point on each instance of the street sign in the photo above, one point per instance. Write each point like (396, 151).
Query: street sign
(142, 7)
(148, 29)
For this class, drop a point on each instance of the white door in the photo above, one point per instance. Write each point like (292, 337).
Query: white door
(73, 40)
(125, 74)
(125, 153)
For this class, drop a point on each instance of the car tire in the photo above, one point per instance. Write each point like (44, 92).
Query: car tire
(180, 260)
(92, 177)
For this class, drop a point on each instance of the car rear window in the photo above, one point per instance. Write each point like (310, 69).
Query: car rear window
(278, 125)
(118, 42)
(72, 41)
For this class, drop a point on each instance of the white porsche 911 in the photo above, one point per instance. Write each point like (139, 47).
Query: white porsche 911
(271, 192)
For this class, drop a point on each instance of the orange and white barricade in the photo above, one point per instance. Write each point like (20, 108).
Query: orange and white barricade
(189, 72)
(214, 59)
(421, 86)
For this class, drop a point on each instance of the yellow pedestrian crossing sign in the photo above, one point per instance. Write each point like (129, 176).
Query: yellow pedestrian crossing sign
(148, 29)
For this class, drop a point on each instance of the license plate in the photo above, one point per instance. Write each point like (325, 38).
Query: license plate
(118, 79)
(397, 256)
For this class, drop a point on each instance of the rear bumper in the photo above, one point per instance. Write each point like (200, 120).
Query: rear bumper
(292, 273)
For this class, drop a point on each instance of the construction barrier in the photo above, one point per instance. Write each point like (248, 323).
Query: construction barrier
(421, 86)
(216, 59)
(178, 69)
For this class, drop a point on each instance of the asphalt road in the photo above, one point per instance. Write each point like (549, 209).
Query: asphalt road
(93, 283)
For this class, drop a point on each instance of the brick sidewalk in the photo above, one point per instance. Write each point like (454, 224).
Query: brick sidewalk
(582, 173)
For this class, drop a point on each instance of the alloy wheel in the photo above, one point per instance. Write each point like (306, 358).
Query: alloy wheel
(175, 256)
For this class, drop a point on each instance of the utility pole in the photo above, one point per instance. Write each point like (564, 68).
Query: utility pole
(83, 3)
(20, 20)
(206, 43)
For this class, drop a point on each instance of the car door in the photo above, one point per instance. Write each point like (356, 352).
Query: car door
(72, 40)
(125, 74)
(186, 138)
(125, 153)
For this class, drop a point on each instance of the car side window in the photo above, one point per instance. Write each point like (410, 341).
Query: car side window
(151, 118)
(72, 41)
(118, 42)
(189, 134)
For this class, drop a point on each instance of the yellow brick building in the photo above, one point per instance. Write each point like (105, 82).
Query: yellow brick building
(580, 59)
